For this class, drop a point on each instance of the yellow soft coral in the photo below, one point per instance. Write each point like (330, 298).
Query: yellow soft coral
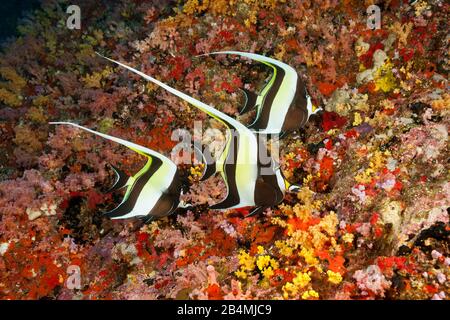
(36, 115)
(402, 31)
(348, 237)
(246, 261)
(268, 272)
(10, 90)
(384, 78)
(196, 172)
(9, 98)
(334, 277)
(313, 236)
(377, 161)
(310, 294)
(16, 82)
(301, 280)
(193, 6)
(94, 80)
(441, 104)
(329, 223)
(357, 120)
(265, 264)
(284, 248)
(241, 274)
(308, 255)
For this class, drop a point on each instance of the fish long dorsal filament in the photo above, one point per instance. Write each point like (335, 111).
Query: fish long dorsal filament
(147, 187)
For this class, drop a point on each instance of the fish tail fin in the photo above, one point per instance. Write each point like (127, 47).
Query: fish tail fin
(133, 146)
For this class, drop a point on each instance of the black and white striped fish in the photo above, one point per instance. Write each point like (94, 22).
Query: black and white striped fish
(283, 105)
(151, 193)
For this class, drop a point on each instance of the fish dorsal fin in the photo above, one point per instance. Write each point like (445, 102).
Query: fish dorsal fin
(232, 124)
(133, 146)
(257, 57)
(136, 182)
(228, 121)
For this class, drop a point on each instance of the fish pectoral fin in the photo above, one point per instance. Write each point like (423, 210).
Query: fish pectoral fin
(250, 101)
(122, 179)
(255, 211)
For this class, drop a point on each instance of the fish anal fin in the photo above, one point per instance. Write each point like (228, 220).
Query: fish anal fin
(121, 210)
(255, 211)
(230, 201)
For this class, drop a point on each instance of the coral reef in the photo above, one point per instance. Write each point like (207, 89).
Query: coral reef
(371, 220)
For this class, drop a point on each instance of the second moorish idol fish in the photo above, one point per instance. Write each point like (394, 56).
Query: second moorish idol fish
(239, 163)
(283, 105)
(153, 192)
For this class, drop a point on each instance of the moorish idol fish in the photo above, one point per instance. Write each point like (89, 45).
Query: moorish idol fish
(153, 192)
(239, 163)
(283, 105)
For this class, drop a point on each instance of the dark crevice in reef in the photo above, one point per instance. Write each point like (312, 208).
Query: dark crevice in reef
(84, 223)
(439, 232)
(71, 220)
